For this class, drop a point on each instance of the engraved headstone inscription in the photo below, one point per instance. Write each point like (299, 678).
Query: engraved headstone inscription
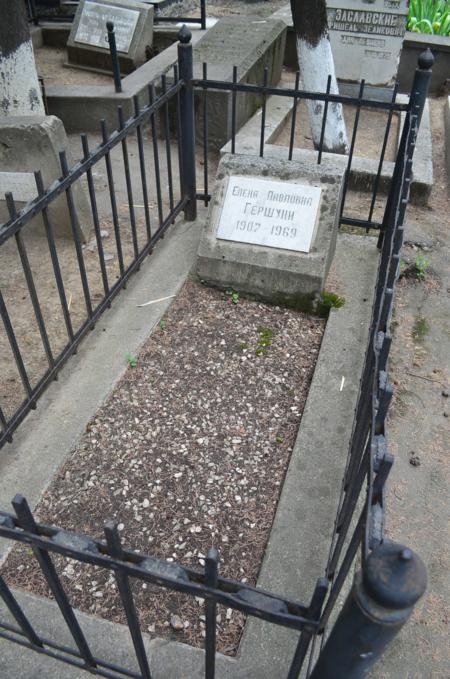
(270, 213)
(366, 38)
(92, 27)
(271, 228)
(88, 41)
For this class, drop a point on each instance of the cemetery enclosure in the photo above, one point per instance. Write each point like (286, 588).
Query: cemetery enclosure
(368, 458)
(133, 226)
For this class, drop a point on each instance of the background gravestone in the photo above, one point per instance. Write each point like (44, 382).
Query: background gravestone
(366, 38)
(271, 228)
(28, 144)
(88, 45)
(250, 45)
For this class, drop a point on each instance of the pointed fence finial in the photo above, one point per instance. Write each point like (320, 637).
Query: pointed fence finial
(426, 60)
(184, 35)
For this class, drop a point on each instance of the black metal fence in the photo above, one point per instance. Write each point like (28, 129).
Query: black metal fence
(360, 516)
(156, 184)
(372, 181)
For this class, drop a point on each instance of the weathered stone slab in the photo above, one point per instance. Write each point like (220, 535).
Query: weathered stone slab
(288, 215)
(366, 38)
(88, 41)
(33, 143)
(250, 45)
(21, 184)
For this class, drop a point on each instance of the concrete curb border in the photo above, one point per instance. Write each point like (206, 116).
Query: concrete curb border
(290, 566)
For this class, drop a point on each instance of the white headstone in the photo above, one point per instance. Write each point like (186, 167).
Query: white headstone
(88, 44)
(271, 228)
(366, 38)
(271, 213)
(92, 27)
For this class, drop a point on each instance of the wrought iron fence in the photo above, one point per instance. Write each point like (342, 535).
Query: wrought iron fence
(170, 202)
(360, 515)
(375, 183)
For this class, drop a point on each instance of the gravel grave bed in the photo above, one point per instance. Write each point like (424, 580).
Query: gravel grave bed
(188, 452)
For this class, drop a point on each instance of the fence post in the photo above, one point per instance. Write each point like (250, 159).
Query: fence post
(203, 14)
(417, 99)
(33, 13)
(187, 119)
(380, 602)
(114, 57)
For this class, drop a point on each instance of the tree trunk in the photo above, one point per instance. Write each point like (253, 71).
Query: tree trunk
(20, 93)
(316, 64)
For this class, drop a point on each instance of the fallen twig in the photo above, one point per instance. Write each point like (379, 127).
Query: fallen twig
(154, 301)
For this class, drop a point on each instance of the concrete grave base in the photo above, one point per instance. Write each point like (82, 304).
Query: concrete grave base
(273, 274)
(33, 143)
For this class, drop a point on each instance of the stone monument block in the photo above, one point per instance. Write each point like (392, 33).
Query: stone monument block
(366, 38)
(271, 228)
(88, 45)
(250, 45)
(33, 143)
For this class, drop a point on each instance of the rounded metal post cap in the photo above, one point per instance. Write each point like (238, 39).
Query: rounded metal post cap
(426, 59)
(110, 26)
(184, 35)
(395, 576)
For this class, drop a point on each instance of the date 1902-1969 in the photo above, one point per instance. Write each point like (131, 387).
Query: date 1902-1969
(253, 227)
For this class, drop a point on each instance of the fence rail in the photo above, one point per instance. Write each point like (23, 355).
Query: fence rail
(360, 515)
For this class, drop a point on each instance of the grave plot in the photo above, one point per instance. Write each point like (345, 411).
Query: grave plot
(368, 144)
(369, 139)
(190, 450)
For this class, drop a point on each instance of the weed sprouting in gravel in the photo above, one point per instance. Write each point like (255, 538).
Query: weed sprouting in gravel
(421, 265)
(131, 360)
(264, 341)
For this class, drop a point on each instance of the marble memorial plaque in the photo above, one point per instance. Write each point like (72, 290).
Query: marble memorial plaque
(366, 38)
(271, 213)
(92, 26)
(22, 185)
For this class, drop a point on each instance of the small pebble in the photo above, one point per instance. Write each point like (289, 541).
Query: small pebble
(414, 460)
(176, 623)
(445, 393)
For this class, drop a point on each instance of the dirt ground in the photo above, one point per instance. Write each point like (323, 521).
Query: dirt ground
(50, 64)
(218, 8)
(189, 452)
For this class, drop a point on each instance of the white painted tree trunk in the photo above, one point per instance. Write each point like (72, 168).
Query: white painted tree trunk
(20, 93)
(316, 64)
